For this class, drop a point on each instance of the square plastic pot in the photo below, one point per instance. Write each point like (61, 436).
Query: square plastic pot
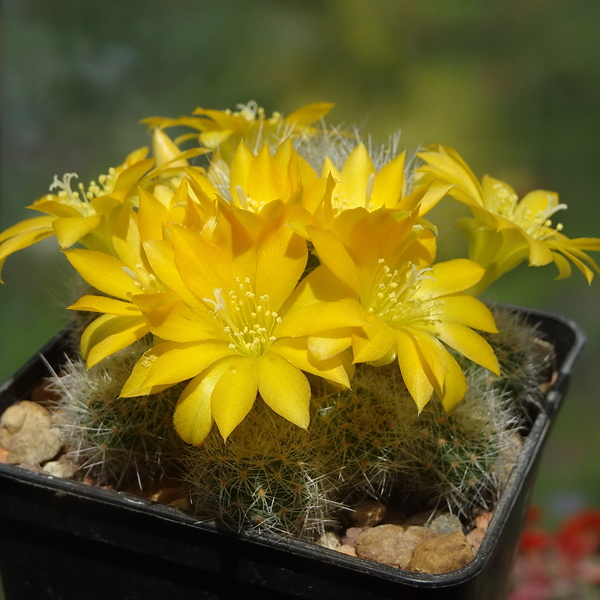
(62, 539)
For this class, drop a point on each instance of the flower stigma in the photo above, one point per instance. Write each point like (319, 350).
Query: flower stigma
(533, 222)
(247, 320)
(395, 296)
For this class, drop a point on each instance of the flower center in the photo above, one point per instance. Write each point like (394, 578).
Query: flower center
(395, 296)
(73, 198)
(535, 223)
(247, 320)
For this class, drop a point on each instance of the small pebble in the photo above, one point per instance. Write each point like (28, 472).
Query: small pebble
(34, 446)
(21, 416)
(63, 467)
(446, 523)
(442, 554)
(368, 513)
(391, 544)
(329, 540)
(345, 549)
(352, 534)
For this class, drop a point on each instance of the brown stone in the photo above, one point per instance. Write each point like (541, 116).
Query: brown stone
(27, 432)
(351, 535)
(391, 544)
(368, 513)
(442, 554)
(65, 466)
(20, 416)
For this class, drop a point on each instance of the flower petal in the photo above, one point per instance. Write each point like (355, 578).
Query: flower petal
(329, 343)
(469, 343)
(469, 311)
(172, 362)
(284, 388)
(281, 261)
(295, 350)
(411, 367)
(452, 276)
(193, 414)
(455, 385)
(170, 319)
(110, 333)
(105, 305)
(103, 272)
(70, 230)
(375, 341)
(234, 394)
(333, 254)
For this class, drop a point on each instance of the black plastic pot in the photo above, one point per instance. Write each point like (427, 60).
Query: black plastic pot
(63, 539)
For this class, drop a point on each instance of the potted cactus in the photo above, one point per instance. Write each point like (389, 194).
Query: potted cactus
(268, 370)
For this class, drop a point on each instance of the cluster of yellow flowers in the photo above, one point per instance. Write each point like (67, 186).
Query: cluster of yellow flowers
(212, 261)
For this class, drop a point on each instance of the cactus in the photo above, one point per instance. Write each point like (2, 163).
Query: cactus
(363, 429)
(271, 476)
(119, 441)
(462, 458)
(525, 358)
(266, 477)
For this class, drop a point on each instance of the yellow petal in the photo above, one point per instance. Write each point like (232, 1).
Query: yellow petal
(333, 254)
(108, 334)
(467, 310)
(539, 253)
(134, 386)
(411, 367)
(161, 257)
(446, 165)
(240, 167)
(308, 114)
(452, 276)
(170, 319)
(203, 265)
(152, 214)
(103, 272)
(284, 388)
(264, 181)
(388, 186)
(375, 341)
(295, 351)
(193, 415)
(329, 344)
(28, 226)
(172, 362)
(355, 177)
(106, 305)
(320, 316)
(165, 150)
(130, 176)
(280, 264)
(455, 385)
(469, 343)
(22, 240)
(70, 230)
(234, 394)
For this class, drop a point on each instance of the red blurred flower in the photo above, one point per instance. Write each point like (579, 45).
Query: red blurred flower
(579, 535)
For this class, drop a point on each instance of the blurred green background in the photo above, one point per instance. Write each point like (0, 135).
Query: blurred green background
(513, 85)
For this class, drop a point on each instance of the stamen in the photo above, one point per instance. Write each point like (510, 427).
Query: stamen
(241, 196)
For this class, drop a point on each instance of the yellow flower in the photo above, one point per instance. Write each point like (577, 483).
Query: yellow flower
(412, 307)
(238, 326)
(504, 230)
(78, 215)
(222, 131)
(255, 180)
(88, 215)
(360, 184)
(121, 277)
